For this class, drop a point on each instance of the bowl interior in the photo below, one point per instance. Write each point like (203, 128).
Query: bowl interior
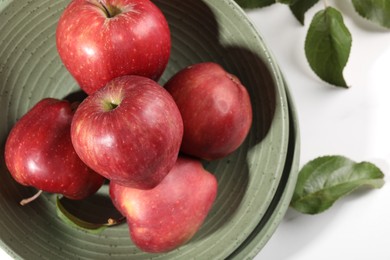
(218, 31)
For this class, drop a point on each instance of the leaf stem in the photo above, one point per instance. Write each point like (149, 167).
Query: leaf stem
(325, 2)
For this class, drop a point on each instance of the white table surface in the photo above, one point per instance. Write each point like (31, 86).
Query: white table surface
(352, 122)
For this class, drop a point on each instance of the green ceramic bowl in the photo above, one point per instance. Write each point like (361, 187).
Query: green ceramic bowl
(249, 179)
(281, 200)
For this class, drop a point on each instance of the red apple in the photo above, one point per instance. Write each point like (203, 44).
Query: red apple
(39, 152)
(129, 131)
(215, 107)
(101, 40)
(167, 216)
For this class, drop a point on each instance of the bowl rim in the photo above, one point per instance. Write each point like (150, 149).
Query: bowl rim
(281, 201)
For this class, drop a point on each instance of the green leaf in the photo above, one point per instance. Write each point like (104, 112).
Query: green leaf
(328, 45)
(324, 180)
(74, 221)
(377, 11)
(287, 2)
(250, 4)
(300, 7)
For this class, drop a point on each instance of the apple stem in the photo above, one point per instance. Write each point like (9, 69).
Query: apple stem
(110, 10)
(113, 222)
(105, 9)
(109, 105)
(32, 198)
(112, 106)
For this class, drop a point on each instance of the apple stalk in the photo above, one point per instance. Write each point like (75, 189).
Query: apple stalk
(30, 199)
(109, 12)
(113, 221)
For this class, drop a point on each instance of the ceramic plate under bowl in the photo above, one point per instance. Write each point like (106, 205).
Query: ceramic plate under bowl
(218, 31)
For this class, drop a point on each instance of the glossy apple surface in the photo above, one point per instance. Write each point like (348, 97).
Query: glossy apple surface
(129, 131)
(39, 152)
(100, 40)
(215, 107)
(167, 216)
